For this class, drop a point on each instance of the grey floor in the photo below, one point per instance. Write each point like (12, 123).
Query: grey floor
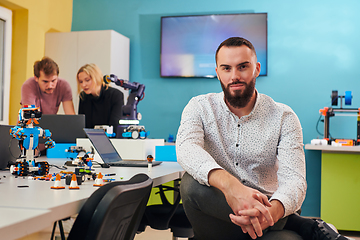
(149, 234)
(166, 235)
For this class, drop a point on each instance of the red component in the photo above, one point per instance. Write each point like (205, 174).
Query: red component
(324, 111)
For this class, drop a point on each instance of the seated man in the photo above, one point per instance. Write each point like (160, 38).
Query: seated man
(45, 90)
(244, 159)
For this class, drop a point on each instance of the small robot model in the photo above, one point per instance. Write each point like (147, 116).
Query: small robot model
(135, 132)
(109, 130)
(74, 151)
(150, 159)
(82, 158)
(28, 136)
(82, 164)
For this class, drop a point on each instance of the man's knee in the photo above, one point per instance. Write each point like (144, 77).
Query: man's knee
(283, 235)
(189, 186)
(192, 190)
(208, 200)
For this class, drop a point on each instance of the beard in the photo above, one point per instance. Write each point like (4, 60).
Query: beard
(239, 98)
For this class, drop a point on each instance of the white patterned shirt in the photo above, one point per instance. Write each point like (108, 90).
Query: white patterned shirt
(263, 149)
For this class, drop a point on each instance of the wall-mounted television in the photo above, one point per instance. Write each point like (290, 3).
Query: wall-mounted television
(188, 43)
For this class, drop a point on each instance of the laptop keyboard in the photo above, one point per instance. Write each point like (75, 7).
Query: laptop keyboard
(128, 163)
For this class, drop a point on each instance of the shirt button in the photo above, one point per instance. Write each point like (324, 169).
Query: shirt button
(243, 181)
(236, 163)
(238, 125)
(237, 145)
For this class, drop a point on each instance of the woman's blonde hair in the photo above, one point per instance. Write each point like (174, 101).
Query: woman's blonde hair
(94, 73)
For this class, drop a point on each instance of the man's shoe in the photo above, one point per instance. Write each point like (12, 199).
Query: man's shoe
(322, 231)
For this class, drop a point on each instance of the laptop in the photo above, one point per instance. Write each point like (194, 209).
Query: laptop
(64, 128)
(108, 153)
(9, 147)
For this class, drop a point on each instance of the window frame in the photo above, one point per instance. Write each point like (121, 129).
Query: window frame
(6, 15)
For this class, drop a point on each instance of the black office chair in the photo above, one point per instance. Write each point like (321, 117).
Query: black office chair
(166, 215)
(113, 211)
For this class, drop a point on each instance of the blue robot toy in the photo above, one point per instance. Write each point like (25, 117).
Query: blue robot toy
(28, 136)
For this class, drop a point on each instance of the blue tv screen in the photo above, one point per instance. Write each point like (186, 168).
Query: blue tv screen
(189, 43)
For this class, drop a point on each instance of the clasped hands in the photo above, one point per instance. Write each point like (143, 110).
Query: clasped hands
(253, 211)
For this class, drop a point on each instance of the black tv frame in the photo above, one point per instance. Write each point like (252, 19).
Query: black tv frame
(218, 14)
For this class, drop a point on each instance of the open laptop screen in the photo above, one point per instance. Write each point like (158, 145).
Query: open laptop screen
(64, 128)
(103, 145)
(9, 146)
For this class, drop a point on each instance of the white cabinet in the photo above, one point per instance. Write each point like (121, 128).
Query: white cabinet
(108, 49)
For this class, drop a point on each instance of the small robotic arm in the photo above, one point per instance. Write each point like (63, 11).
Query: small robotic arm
(129, 111)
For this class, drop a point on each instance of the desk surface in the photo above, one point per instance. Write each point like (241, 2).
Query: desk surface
(329, 148)
(38, 201)
(19, 222)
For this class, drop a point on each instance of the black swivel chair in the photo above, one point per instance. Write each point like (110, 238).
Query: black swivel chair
(114, 211)
(166, 215)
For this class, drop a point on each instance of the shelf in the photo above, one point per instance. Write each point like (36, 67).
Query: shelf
(329, 148)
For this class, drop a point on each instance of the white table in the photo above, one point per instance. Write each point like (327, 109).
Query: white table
(37, 202)
(19, 222)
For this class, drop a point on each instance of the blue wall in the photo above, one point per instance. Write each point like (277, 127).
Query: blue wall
(312, 49)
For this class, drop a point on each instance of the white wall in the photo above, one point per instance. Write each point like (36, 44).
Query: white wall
(108, 49)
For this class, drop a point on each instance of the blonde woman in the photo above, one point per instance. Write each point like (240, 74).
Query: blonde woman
(100, 103)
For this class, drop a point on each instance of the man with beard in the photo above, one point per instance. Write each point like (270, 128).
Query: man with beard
(45, 90)
(244, 159)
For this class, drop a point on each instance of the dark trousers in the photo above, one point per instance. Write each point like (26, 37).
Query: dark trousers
(208, 213)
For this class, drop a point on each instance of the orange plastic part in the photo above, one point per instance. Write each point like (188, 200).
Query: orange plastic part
(345, 142)
(324, 111)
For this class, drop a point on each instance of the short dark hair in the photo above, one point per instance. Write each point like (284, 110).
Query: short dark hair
(47, 65)
(235, 42)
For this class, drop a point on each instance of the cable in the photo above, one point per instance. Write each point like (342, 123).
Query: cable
(60, 168)
(103, 165)
(317, 127)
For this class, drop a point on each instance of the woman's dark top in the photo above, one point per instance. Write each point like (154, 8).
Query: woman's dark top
(102, 110)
